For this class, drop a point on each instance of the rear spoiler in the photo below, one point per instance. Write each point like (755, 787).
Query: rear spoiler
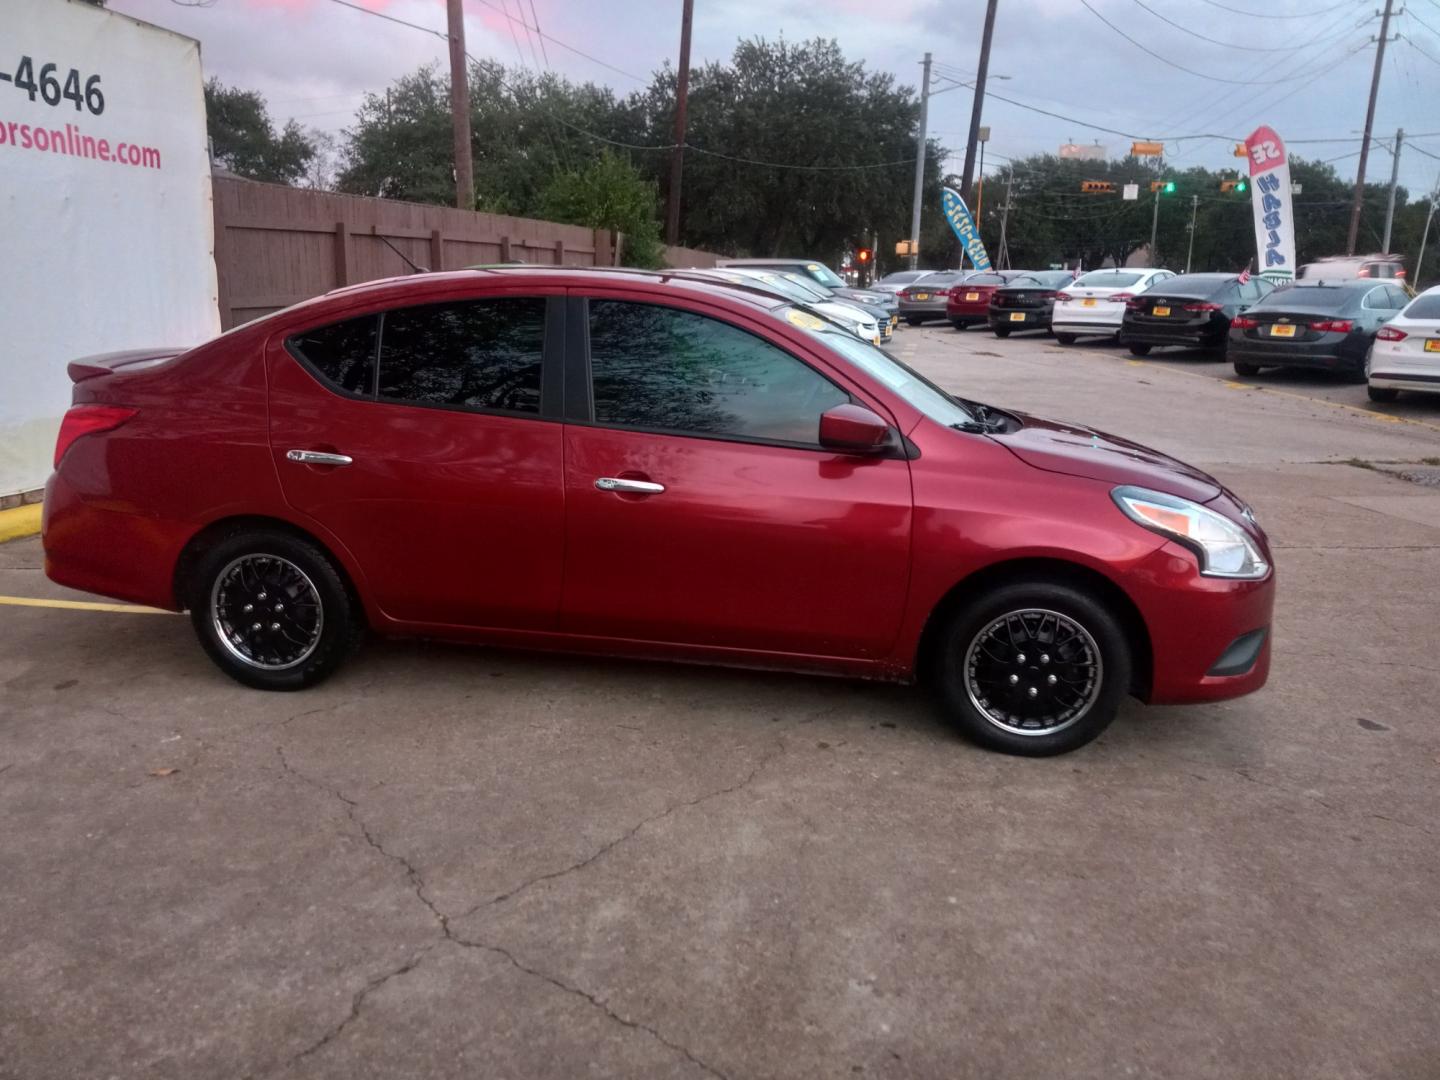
(88, 367)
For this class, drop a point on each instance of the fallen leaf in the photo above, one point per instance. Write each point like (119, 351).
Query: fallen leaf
(163, 772)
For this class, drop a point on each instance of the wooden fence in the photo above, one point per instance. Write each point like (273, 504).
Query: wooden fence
(276, 246)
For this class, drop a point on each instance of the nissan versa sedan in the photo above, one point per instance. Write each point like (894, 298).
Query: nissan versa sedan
(1025, 302)
(1095, 302)
(1193, 310)
(1325, 325)
(632, 464)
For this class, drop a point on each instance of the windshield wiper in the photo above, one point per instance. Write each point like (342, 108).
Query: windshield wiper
(984, 423)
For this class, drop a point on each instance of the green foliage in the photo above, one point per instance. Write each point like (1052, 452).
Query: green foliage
(245, 141)
(609, 193)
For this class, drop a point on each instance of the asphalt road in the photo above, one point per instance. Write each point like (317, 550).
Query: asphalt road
(451, 862)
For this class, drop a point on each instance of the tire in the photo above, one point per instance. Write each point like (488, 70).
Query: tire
(913, 320)
(1242, 368)
(1097, 647)
(1066, 339)
(1356, 375)
(300, 647)
(1382, 393)
(1137, 349)
(959, 324)
(1001, 331)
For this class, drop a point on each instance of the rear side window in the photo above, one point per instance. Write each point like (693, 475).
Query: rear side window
(474, 354)
(1396, 297)
(661, 369)
(1424, 307)
(342, 354)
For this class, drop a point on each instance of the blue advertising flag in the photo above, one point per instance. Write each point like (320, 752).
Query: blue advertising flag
(960, 220)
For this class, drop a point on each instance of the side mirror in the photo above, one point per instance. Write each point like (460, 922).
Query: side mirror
(853, 429)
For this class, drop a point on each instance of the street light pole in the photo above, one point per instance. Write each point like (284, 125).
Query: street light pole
(1194, 206)
(919, 166)
(1394, 179)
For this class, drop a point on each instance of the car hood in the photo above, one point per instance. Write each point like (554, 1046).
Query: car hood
(1075, 450)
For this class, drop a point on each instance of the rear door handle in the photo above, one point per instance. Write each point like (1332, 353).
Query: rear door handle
(318, 457)
(634, 487)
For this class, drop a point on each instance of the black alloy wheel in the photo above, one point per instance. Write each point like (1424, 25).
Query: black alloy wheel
(272, 610)
(1034, 669)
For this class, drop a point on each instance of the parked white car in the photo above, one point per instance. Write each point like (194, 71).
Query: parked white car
(1406, 352)
(1095, 303)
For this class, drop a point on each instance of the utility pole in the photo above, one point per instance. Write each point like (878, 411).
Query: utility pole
(979, 100)
(1002, 256)
(1359, 202)
(1155, 228)
(1194, 206)
(677, 156)
(460, 108)
(1394, 179)
(1424, 236)
(919, 166)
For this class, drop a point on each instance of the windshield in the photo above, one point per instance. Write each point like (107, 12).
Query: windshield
(824, 275)
(809, 288)
(1109, 279)
(791, 290)
(909, 384)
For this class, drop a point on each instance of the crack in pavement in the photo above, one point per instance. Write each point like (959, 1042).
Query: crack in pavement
(612, 844)
(417, 883)
(598, 1003)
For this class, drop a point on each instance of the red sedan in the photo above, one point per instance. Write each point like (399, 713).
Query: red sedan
(969, 303)
(633, 464)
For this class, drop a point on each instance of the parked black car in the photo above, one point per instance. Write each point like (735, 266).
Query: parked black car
(1189, 309)
(1315, 324)
(1026, 302)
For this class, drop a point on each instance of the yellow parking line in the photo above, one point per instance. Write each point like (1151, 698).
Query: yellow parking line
(81, 605)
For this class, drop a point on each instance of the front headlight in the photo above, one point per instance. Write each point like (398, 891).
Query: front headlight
(1223, 547)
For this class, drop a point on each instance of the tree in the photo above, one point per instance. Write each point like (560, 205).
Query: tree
(245, 141)
(609, 194)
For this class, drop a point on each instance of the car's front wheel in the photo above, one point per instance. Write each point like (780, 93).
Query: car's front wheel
(1034, 668)
(271, 610)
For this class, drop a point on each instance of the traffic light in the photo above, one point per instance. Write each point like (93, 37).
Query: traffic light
(1165, 186)
(863, 256)
(1234, 185)
(1097, 187)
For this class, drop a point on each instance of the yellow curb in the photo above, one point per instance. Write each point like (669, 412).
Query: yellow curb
(81, 605)
(21, 521)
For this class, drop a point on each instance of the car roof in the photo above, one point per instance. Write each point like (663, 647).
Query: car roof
(1355, 284)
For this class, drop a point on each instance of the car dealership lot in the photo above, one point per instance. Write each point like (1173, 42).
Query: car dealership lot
(449, 861)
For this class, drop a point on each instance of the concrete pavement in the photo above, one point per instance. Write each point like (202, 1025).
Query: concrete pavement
(459, 862)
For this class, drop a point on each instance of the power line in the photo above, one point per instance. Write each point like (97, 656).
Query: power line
(1178, 67)
(1421, 21)
(391, 18)
(1266, 15)
(564, 45)
(1422, 52)
(1213, 41)
(535, 18)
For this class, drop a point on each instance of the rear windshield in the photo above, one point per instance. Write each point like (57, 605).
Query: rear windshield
(1192, 284)
(1424, 307)
(941, 278)
(1050, 278)
(985, 279)
(1310, 298)
(1109, 279)
(901, 277)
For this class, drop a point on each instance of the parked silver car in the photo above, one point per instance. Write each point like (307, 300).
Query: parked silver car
(926, 297)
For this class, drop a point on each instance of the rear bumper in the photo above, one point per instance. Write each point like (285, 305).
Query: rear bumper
(1209, 637)
(1416, 381)
(929, 309)
(1073, 320)
(101, 547)
(1331, 357)
(1184, 336)
(1030, 318)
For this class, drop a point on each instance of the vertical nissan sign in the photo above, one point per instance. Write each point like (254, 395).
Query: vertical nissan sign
(105, 208)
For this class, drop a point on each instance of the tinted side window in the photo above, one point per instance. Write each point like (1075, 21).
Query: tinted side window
(343, 354)
(1398, 297)
(661, 369)
(478, 354)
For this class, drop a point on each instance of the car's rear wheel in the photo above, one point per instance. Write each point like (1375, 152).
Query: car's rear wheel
(1382, 393)
(959, 324)
(272, 610)
(1001, 331)
(1033, 668)
(1242, 368)
(1066, 339)
(1137, 349)
(913, 320)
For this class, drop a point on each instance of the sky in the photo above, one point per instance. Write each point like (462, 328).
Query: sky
(1161, 69)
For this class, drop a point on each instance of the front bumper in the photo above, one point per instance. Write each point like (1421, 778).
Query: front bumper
(1197, 626)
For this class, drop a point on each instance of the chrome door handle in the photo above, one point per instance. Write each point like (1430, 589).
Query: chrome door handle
(634, 487)
(318, 457)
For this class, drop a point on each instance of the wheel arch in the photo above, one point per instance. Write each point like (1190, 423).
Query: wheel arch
(217, 530)
(1050, 571)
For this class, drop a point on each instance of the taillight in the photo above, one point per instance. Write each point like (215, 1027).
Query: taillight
(1135, 304)
(1400, 273)
(1335, 326)
(1364, 272)
(1206, 306)
(1063, 297)
(1244, 322)
(1389, 333)
(84, 420)
(1123, 298)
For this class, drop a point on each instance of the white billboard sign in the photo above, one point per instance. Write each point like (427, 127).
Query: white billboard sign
(105, 207)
